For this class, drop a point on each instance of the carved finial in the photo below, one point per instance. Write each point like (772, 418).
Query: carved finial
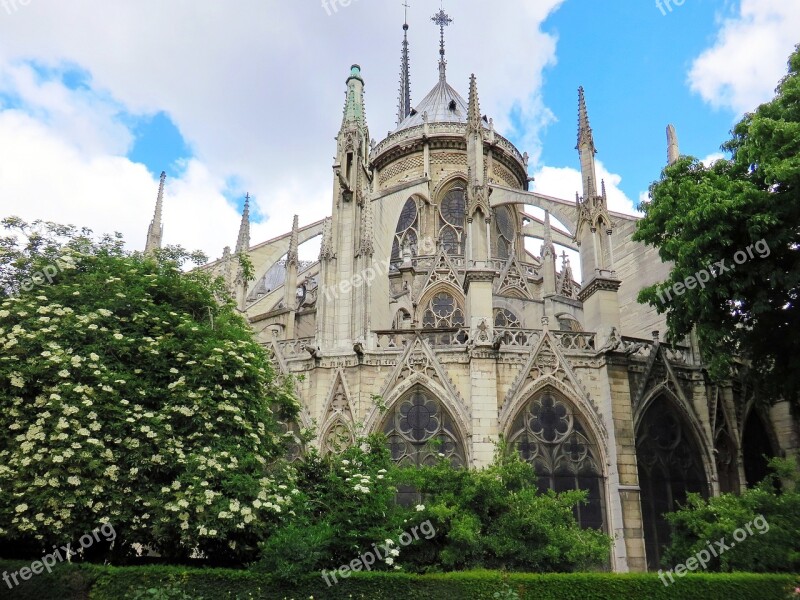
(673, 151)
(292, 254)
(243, 241)
(548, 248)
(442, 20)
(474, 107)
(156, 230)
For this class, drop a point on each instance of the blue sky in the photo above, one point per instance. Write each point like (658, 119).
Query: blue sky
(96, 99)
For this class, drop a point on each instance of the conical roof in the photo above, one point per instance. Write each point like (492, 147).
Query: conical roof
(443, 105)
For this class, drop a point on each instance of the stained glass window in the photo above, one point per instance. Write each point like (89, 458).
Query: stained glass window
(669, 468)
(420, 431)
(442, 311)
(451, 221)
(406, 233)
(505, 318)
(547, 434)
(504, 231)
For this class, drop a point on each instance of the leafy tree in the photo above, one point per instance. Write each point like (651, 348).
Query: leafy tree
(773, 543)
(129, 395)
(495, 518)
(748, 204)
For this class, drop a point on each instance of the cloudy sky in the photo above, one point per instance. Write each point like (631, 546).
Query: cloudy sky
(98, 97)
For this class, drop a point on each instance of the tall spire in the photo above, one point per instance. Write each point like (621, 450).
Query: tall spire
(584, 129)
(243, 241)
(673, 151)
(404, 105)
(442, 20)
(586, 148)
(156, 229)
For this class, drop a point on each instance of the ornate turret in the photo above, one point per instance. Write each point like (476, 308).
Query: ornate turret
(156, 230)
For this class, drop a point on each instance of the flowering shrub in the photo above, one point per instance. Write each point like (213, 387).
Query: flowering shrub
(349, 501)
(129, 394)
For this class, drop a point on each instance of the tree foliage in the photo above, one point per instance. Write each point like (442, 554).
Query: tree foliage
(129, 395)
(700, 215)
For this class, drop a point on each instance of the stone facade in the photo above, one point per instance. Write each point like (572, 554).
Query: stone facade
(427, 319)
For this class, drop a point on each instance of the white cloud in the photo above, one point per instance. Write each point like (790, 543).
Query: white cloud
(748, 58)
(256, 91)
(563, 182)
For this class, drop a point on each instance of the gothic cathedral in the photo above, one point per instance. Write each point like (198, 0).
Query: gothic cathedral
(425, 318)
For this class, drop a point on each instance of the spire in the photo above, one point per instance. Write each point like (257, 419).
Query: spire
(673, 151)
(404, 104)
(156, 229)
(442, 20)
(586, 149)
(474, 107)
(585, 136)
(354, 102)
(243, 241)
(291, 255)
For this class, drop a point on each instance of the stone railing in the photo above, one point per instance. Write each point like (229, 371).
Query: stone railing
(511, 337)
(575, 340)
(295, 348)
(398, 340)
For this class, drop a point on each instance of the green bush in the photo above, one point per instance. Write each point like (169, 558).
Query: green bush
(121, 583)
(772, 512)
(495, 518)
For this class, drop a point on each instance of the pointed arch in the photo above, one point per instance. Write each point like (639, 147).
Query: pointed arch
(338, 425)
(420, 429)
(551, 433)
(672, 461)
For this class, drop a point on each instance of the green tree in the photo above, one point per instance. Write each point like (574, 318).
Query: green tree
(701, 215)
(130, 395)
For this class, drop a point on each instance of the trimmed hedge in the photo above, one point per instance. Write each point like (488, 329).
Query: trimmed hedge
(90, 582)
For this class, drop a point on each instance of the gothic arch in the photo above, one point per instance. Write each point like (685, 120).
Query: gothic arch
(551, 433)
(688, 417)
(447, 183)
(420, 428)
(757, 441)
(671, 463)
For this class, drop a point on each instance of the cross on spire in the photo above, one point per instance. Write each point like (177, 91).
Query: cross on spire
(442, 20)
(406, 5)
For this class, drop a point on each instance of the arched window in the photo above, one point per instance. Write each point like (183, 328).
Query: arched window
(504, 231)
(407, 232)
(547, 434)
(505, 318)
(420, 431)
(442, 311)
(451, 221)
(670, 467)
